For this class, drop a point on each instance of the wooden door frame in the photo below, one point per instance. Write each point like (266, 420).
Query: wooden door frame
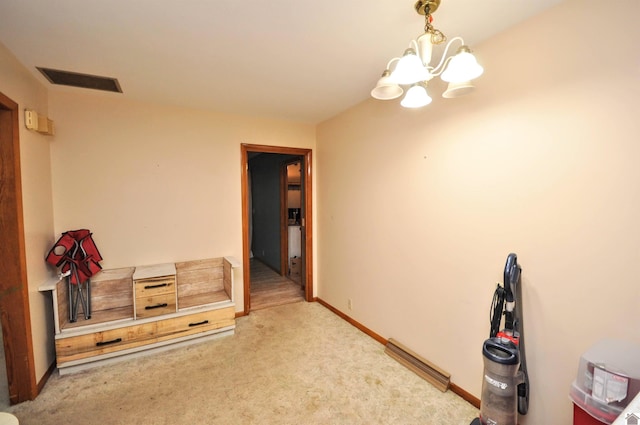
(308, 205)
(14, 290)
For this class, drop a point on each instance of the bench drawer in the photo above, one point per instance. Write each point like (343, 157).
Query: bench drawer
(137, 335)
(196, 323)
(103, 342)
(155, 306)
(155, 286)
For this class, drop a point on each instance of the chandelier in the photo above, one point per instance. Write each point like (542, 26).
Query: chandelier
(414, 70)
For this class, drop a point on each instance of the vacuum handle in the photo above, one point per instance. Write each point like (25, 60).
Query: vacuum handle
(500, 351)
(511, 276)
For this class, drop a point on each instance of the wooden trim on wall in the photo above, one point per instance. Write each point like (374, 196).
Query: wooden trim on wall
(468, 397)
(308, 212)
(246, 268)
(14, 291)
(465, 395)
(46, 376)
(308, 188)
(382, 340)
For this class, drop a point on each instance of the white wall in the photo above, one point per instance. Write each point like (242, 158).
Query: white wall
(22, 88)
(419, 209)
(155, 183)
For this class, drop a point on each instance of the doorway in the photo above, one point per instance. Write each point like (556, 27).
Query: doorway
(276, 256)
(14, 292)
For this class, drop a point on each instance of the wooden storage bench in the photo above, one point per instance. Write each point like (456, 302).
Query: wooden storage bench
(203, 282)
(111, 299)
(144, 309)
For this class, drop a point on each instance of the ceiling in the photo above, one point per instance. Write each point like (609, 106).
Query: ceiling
(287, 59)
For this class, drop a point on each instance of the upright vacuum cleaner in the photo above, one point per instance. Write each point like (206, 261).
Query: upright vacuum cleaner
(505, 387)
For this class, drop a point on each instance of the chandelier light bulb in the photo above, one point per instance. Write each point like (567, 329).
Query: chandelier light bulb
(409, 69)
(416, 97)
(386, 89)
(462, 67)
(458, 89)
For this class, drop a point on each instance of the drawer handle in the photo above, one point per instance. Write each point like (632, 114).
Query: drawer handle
(113, 341)
(151, 307)
(204, 322)
(156, 286)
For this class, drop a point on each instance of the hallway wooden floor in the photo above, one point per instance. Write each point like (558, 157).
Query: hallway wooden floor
(269, 289)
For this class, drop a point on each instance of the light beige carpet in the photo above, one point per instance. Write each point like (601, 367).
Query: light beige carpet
(292, 364)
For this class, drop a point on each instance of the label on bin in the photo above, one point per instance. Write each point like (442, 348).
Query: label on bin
(631, 414)
(609, 387)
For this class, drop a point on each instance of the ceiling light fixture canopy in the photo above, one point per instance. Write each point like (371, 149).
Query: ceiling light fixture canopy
(414, 68)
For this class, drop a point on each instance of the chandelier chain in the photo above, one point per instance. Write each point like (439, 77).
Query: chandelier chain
(437, 37)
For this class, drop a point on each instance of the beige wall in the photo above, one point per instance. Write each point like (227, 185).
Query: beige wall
(419, 209)
(155, 183)
(22, 88)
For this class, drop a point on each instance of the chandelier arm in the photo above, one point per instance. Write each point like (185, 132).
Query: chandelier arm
(445, 60)
(391, 61)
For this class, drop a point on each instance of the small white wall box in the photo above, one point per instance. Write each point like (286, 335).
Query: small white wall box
(31, 119)
(39, 123)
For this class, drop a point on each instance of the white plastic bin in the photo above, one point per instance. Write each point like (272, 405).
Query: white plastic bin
(608, 379)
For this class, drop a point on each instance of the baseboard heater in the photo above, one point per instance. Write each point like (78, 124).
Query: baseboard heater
(423, 368)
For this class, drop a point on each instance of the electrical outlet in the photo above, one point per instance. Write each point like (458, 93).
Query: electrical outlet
(349, 304)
